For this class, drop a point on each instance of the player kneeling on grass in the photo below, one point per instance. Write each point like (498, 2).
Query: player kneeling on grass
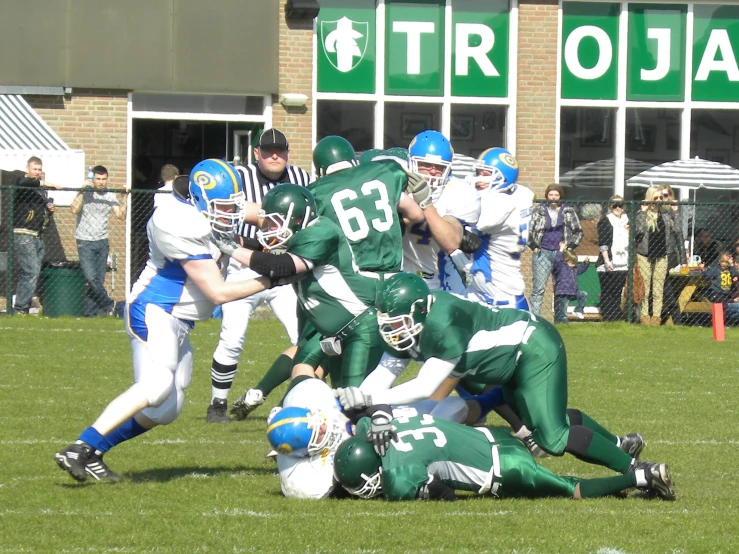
(181, 284)
(429, 459)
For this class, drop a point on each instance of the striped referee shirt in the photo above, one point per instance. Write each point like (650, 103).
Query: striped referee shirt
(257, 184)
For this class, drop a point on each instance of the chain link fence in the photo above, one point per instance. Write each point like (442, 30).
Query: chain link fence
(80, 273)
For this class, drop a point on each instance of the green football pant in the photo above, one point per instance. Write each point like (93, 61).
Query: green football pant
(522, 477)
(361, 351)
(537, 392)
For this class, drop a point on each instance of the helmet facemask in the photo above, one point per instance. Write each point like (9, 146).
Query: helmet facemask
(436, 182)
(334, 433)
(225, 216)
(400, 331)
(495, 181)
(278, 229)
(372, 486)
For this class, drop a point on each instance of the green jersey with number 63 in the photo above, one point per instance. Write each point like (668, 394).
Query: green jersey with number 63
(363, 202)
(333, 293)
(465, 458)
(484, 338)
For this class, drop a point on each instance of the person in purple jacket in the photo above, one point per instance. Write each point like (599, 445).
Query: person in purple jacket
(554, 228)
(566, 271)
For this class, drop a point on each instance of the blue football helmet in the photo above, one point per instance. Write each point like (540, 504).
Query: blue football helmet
(497, 169)
(431, 147)
(299, 432)
(216, 190)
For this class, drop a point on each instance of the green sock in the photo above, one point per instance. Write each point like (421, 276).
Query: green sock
(605, 453)
(593, 488)
(276, 375)
(596, 427)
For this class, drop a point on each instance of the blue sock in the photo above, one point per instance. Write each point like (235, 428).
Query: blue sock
(124, 432)
(463, 393)
(489, 400)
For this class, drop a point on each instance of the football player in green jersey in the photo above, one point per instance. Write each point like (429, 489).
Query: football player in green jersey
(364, 201)
(430, 458)
(459, 340)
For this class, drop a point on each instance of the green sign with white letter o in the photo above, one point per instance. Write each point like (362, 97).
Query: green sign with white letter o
(589, 50)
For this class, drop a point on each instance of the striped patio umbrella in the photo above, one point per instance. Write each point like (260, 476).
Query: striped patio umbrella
(600, 173)
(691, 174)
(462, 165)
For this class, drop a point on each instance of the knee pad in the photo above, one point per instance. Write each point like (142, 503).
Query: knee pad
(168, 410)
(579, 440)
(451, 408)
(575, 416)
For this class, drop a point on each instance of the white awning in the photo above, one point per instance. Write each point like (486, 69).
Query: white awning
(21, 128)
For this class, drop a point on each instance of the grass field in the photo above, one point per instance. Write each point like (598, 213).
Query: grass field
(195, 487)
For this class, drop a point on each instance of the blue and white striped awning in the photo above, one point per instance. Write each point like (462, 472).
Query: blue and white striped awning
(694, 173)
(21, 128)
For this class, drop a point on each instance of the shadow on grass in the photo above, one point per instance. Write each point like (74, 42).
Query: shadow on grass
(170, 473)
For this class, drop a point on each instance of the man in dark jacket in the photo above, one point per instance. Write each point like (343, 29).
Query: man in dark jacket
(31, 217)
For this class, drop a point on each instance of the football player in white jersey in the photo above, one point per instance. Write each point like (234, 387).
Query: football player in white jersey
(310, 427)
(495, 268)
(451, 205)
(181, 284)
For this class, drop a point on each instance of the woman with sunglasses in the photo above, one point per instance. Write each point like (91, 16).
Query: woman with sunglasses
(613, 261)
(655, 227)
(675, 258)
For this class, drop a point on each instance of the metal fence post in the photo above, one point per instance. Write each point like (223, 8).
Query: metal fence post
(10, 269)
(632, 256)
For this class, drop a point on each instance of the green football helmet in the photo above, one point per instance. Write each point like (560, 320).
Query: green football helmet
(368, 155)
(358, 468)
(333, 153)
(286, 209)
(403, 302)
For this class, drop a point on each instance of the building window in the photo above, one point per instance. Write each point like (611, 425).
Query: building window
(355, 121)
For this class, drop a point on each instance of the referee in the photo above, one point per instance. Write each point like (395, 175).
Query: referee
(259, 177)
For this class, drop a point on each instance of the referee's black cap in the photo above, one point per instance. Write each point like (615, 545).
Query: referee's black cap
(273, 138)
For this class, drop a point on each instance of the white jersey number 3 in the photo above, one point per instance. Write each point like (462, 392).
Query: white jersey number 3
(353, 221)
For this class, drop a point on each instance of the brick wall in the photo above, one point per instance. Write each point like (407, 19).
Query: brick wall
(296, 76)
(536, 113)
(93, 121)
(537, 91)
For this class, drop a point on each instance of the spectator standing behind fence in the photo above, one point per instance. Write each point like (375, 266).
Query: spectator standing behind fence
(32, 215)
(168, 174)
(554, 228)
(613, 260)
(566, 288)
(675, 258)
(93, 206)
(655, 226)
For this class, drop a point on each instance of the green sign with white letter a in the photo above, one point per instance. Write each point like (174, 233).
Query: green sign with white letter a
(345, 32)
(480, 48)
(715, 48)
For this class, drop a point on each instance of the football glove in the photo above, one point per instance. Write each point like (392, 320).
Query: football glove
(381, 430)
(351, 398)
(225, 243)
(471, 242)
(419, 189)
(525, 436)
(434, 489)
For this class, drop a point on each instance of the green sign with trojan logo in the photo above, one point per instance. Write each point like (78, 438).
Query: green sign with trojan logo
(346, 46)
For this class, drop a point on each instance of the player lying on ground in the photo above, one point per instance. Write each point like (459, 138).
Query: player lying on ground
(429, 459)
